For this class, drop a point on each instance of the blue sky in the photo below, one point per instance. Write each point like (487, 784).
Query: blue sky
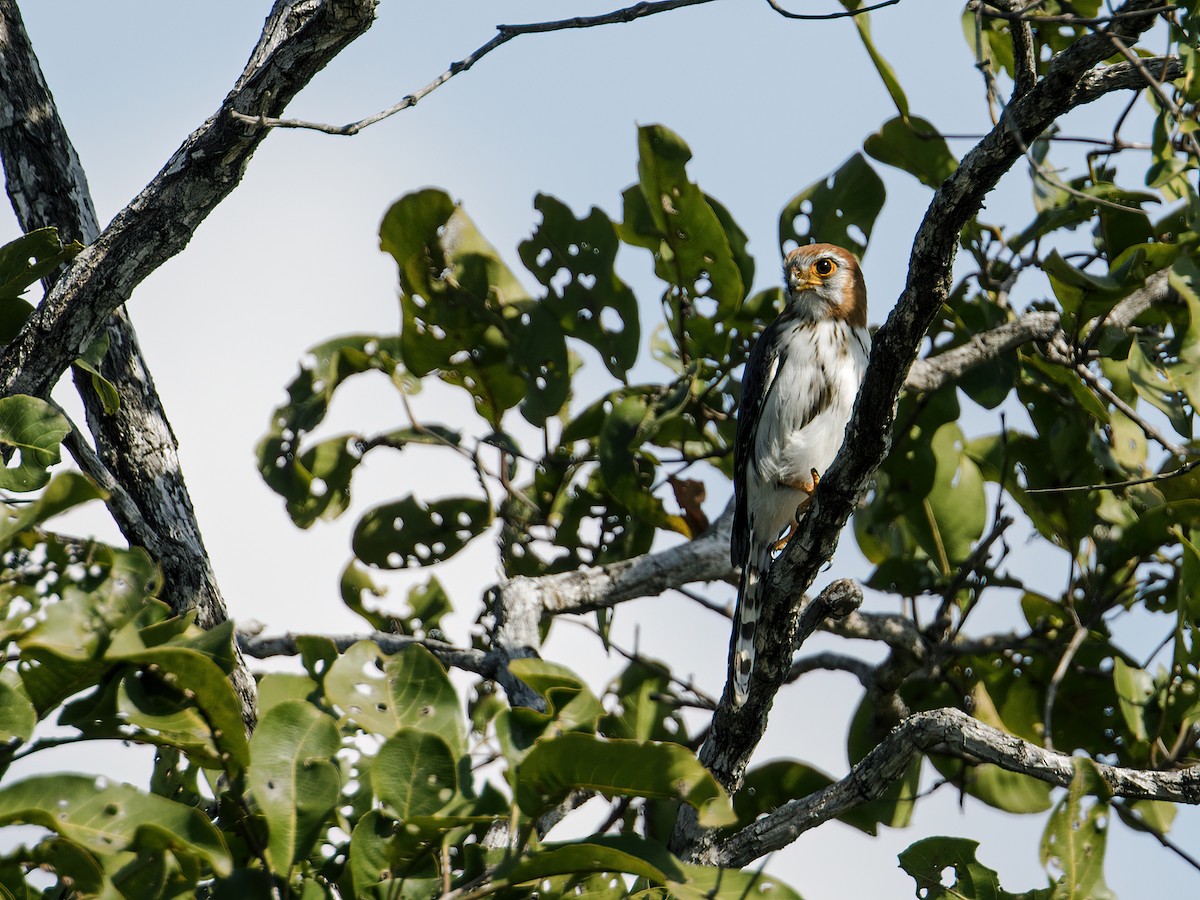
(768, 106)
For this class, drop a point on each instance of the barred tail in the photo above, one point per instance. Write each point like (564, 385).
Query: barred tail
(745, 620)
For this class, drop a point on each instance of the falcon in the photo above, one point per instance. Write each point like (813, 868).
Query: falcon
(798, 391)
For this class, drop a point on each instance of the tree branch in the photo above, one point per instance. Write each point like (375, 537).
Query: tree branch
(467, 659)
(954, 733)
(137, 460)
(844, 14)
(298, 40)
(1068, 82)
(504, 34)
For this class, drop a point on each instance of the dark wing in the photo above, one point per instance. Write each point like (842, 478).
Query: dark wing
(763, 357)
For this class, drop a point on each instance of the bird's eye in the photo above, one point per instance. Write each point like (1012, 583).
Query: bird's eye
(824, 267)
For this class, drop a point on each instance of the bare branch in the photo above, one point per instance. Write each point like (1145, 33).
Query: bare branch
(1024, 55)
(1151, 431)
(1014, 15)
(597, 587)
(504, 34)
(932, 373)
(844, 14)
(299, 40)
(954, 733)
(1117, 485)
(832, 662)
(467, 659)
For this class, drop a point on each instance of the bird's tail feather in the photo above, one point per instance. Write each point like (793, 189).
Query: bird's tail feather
(745, 620)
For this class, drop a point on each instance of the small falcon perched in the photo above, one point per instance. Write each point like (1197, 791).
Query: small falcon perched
(798, 391)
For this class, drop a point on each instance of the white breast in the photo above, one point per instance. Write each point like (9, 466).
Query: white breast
(809, 397)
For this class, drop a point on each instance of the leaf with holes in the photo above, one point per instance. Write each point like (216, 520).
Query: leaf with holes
(30, 258)
(183, 700)
(840, 209)
(1135, 688)
(464, 313)
(670, 216)
(1075, 838)
(594, 305)
(408, 532)
(556, 766)
(31, 430)
(315, 482)
(415, 773)
(294, 778)
(383, 694)
(927, 861)
(108, 818)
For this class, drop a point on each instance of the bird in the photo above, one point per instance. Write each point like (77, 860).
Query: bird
(798, 391)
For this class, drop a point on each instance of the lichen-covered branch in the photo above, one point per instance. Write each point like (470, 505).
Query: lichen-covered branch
(953, 733)
(467, 659)
(299, 39)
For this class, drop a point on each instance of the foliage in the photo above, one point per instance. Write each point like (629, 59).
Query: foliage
(370, 776)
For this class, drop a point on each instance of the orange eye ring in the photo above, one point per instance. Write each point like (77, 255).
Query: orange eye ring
(824, 267)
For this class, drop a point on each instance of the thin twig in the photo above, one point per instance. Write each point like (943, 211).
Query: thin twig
(1117, 485)
(504, 34)
(813, 17)
(1060, 672)
(1066, 19)
(1147, 429)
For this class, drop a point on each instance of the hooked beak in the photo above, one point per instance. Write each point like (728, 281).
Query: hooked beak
(802, 281)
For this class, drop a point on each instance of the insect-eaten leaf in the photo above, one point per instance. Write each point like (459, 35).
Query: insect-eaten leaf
(408, 532)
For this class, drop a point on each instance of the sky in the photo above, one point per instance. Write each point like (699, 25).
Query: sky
(291, 258)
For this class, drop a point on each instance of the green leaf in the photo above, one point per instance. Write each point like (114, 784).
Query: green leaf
(643, 717)
(956, 509)
(1075, 838)
(621, 768)
(599, 853)
(840, 209)
(185, 700)
(108, 818)
(464, 313)
(1157, 387)
(862, 22)
(65, 491)
(415, 773)
(669, 215)
(633, 421)
(570, 704)
(408, 532)
(17, 715)
(30, 258)
(278, 687)
(914, 145)
(1134, 688)
(315, 482)
(384, 694)
(704, 882)
(32, 430)
(927, 860)
(595, 306)
(294, 778)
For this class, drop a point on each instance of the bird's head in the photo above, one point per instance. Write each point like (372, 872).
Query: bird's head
(825, 282)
